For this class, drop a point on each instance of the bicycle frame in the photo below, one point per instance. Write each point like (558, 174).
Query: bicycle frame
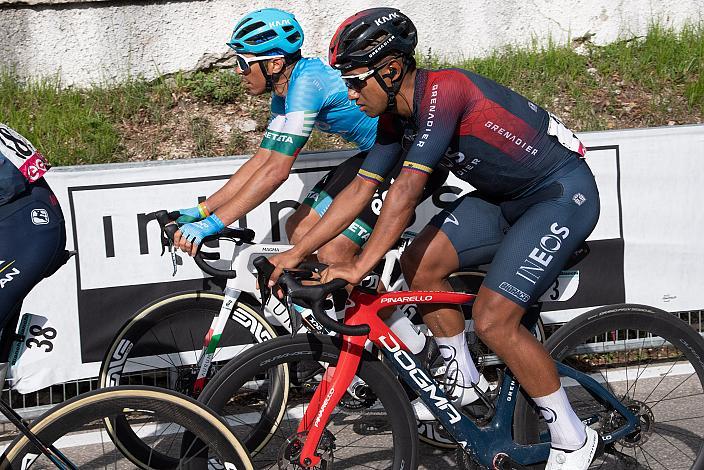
(241, 259)
(486, 443)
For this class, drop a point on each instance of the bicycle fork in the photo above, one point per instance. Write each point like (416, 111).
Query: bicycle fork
(212, 338)
(327, 396)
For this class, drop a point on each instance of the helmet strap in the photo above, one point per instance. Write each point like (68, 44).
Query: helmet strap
(269, 83)
(271, 78)
(391, 91)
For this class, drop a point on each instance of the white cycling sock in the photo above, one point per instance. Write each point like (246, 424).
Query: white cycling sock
(566, 429)
(457, 358)
(406, 331)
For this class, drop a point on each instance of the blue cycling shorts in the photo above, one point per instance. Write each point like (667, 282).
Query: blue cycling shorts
(529, 240)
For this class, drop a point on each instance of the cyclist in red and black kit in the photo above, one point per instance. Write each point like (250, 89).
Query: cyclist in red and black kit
(535, 203)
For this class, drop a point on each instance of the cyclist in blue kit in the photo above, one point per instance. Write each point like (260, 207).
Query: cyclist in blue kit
(535, 203)
(305, 93)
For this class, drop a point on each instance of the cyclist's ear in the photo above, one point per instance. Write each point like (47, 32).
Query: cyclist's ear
(276, 65)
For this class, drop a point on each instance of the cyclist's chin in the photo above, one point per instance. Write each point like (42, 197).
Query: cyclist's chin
(371, 112)
(252, 89)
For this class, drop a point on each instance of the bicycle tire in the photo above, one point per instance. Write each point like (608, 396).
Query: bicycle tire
(314, 349)
(149, 333)
(646, 334)
(84, 410)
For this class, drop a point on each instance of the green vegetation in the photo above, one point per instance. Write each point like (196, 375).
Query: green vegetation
(660, 74)
(636, 82)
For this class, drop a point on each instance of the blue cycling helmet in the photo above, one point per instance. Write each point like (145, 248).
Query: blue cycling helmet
(267, 32)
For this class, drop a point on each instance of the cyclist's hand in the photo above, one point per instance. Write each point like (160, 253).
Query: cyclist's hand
(285, 260)
(192, 214)
(349, 271)
(190, 236)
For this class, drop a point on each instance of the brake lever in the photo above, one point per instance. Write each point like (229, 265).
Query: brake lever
(264, 290)
(167, 242)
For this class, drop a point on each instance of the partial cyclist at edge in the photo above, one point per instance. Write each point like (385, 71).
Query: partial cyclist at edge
(535, 203)
(32, 230)
(305, 93)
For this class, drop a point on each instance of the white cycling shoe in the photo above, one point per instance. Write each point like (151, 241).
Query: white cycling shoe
(579, 459)
(469, 396)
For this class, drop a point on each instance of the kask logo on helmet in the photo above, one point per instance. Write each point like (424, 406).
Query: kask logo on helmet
(274, 24)
(383, 19)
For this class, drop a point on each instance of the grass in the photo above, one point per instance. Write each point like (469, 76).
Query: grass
(634, 82)
(664, 64)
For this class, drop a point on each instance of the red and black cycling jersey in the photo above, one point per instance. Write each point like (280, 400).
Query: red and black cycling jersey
(486, 134)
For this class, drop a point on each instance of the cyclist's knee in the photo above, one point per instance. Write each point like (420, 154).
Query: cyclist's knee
(485, 326)
(410, 262)
(339, 250)
(298, 224)
(420, 270)
(493, 321)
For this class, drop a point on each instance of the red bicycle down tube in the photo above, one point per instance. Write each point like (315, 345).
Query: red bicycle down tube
(362, 309)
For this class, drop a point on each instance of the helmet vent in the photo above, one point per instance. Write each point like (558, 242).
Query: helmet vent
(293, 38)
(260, 38)
(249, 28)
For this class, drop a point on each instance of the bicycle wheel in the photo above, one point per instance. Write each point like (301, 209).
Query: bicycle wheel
(162, 345)
(653, 362)
(380, 436)
(164, 419)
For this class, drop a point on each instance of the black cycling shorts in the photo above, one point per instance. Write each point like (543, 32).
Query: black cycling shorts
(332, 184)
(33, 245)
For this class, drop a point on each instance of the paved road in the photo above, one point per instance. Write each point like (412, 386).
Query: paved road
(364, 442)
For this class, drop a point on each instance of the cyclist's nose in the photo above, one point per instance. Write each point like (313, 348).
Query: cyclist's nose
(352, 94)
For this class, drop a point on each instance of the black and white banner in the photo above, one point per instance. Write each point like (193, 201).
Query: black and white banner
(645, 249)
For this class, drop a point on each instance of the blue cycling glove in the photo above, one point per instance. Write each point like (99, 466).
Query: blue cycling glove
(192, 214)
(195, 232)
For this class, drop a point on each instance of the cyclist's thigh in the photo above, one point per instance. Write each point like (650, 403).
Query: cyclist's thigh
(33, 239)
(540, 242)
(475, 226)
(431, 252)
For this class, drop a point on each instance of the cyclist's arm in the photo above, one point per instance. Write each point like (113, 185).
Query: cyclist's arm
(238, 180)
(423, 156)
(351, 201)
(288, 131)
(262, 183)
(396, 212)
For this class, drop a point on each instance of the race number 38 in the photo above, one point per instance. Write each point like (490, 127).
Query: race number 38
(41, 338)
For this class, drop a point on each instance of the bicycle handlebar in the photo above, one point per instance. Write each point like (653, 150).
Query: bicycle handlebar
(169, 227)
(314, 295)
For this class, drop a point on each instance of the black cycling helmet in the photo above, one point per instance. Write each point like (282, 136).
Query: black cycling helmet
(369, 37)
(364, 39)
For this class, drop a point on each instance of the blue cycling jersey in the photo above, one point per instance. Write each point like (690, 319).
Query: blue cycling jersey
(316, 97)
